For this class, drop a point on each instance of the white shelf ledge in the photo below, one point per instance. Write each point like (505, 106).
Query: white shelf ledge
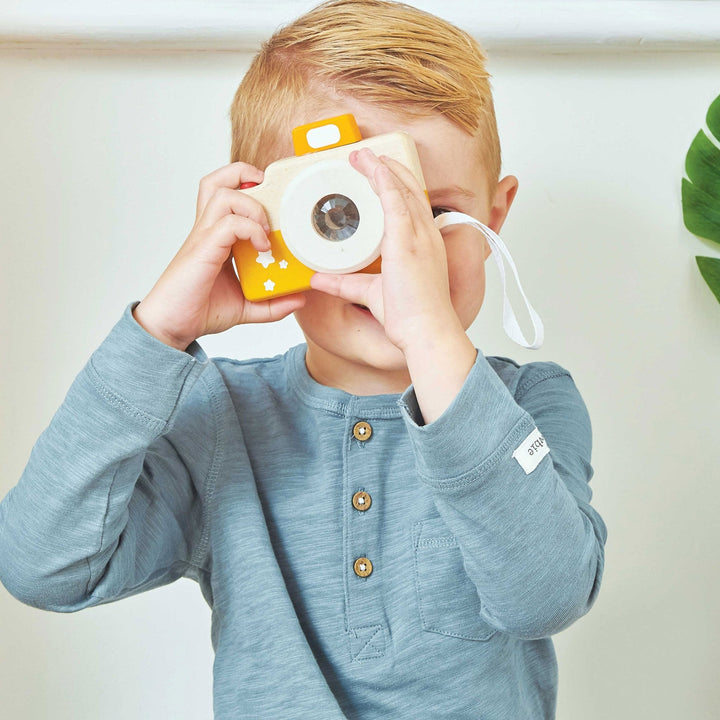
(224, 25)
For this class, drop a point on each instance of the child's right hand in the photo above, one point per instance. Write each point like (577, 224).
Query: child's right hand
(199, 293)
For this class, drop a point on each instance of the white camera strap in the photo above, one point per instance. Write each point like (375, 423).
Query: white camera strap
(500, 251)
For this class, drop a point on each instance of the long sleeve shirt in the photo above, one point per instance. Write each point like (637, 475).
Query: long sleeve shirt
(358, 563)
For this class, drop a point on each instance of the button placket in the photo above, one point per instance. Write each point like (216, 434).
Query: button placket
(365, 615)
(362, 431)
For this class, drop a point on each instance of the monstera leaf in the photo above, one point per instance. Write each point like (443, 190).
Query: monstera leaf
(701, 193)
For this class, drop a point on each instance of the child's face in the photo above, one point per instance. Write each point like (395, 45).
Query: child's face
(347, 347)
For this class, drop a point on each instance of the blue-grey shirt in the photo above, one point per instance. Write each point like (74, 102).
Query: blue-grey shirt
(358, 563)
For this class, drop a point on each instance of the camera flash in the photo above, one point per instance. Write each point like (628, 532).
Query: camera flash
(323, 136)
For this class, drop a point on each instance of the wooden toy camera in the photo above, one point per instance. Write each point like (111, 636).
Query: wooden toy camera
(323, 214)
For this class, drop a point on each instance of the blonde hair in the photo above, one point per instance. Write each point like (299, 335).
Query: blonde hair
(389, 54)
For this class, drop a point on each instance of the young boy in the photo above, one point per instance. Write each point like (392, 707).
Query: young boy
(355, 511)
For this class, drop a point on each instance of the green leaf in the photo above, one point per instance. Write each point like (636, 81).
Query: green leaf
(701, 212)
(713, 117)
(710, 270)
(701, 193)
(702, 165)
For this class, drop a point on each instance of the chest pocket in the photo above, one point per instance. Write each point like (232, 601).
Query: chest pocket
(447, 599)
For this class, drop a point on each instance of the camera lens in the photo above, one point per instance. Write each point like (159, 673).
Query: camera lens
(335, 217)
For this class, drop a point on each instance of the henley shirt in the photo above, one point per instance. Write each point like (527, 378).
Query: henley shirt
(358, 563)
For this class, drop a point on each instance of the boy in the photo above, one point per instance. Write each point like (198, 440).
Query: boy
(366, 553)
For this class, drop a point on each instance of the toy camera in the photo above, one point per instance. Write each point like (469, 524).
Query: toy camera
(323, 214)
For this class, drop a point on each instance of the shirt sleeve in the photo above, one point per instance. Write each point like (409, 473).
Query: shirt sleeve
(107, 505)
(531, 543)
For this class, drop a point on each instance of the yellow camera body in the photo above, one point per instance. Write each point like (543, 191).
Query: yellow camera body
(323, 214)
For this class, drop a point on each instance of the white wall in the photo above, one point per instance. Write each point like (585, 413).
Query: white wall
(101, 155)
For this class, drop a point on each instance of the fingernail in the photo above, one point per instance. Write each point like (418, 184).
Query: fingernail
(353, 156)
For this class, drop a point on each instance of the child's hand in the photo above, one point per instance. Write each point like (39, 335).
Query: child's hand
(411, 297)
(199, 293)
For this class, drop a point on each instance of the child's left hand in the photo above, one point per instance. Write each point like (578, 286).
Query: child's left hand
(411, 296)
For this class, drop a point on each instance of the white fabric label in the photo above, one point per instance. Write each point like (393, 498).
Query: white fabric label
(533, 449)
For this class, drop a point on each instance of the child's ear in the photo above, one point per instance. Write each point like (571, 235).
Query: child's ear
(504, 195)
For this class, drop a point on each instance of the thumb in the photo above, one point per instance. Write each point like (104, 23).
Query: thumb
(360, 288)
(272, 310)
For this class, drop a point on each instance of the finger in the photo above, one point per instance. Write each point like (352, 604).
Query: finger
(366, 162)
(408, 179)
(274, 309)
(370, 164)
(354, 287)
(400, 218)
(394, 196)
(424, 237)
(225, 201)
(215, 245)
(228, 176)
(359, 288)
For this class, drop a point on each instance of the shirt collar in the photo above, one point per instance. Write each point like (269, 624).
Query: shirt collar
(334, 400)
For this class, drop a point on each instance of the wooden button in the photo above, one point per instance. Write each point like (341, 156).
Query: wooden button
(362, 431)
(361, 501)
(363, 567)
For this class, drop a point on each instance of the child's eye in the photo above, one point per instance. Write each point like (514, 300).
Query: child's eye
(440, 210)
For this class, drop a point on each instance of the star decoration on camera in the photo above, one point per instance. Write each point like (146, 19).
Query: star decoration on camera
(265, 258)
(269, 285)
(283, 264)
